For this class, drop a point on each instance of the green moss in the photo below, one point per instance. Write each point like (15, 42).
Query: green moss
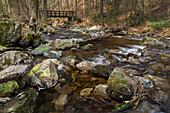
(46, 72)
(159, 43)
(2, 48)
(35, 70)
(147, 39)
(6, 89)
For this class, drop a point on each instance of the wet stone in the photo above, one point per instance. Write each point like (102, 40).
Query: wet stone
(100, 93)
(7, 89)
(120, 85)
(4, 100)
(86, 92)
(61, 102)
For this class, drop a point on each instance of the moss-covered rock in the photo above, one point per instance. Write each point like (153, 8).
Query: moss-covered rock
(147, 39)
(86, 47)
(44, 74)
(6, 89)
(14, 57)
(10, 32)
(65, 43)
(120, 85)
(2, 48)
(40, 50)
(27, 39)
(24, 102)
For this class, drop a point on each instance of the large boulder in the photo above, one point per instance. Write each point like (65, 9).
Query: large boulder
(120, 85)
(44, 74)
(10, 32)
(18, 73)
(24, 102)
(6, 89)
(13, 58)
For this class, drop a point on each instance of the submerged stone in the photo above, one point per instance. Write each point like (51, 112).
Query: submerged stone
(120, 85)
(61, 102)
(7, 89)
(86, 92)
(44, 75)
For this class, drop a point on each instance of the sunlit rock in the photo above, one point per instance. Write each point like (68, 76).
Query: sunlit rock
(44, 75)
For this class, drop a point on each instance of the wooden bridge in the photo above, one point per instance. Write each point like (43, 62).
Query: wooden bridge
(59, 14)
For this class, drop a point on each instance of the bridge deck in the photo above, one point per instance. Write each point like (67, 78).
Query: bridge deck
(65, 14)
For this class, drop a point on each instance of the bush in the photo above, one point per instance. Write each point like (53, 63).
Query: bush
(158, 25)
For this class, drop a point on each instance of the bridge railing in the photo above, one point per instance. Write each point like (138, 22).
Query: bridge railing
(51, 13)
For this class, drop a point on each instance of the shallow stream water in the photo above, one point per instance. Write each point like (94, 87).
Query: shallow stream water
(111, 52)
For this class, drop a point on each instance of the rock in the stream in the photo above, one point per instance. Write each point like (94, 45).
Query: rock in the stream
(44, 74)
(14, 57)
(54, 54)
(86, 92)
(100, 93)
(18, 73)
(102, 70)
(40, 50)
(61, 102)
(146, 107)
(6, 89)
(87, 47)
(10, 32)
(44, 38)
(160, 91)
(65, 43)
(155, 68)
(4, 99)
(85, 66)
(26, 40)
(69, 60)
(133, 60)
(24, 102)
(120, 85)
(2, 48)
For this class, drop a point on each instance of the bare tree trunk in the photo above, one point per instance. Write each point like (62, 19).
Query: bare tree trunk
(84, 7)
(45, 9)
(101, 12)
(1, 5)
(75, 6)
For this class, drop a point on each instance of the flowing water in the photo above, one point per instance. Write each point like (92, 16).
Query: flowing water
(111, 52)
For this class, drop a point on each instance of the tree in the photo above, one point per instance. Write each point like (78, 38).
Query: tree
(101, 12)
